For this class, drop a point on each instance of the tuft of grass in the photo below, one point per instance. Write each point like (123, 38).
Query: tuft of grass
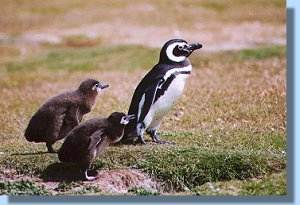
(23, 187)
(273, 184)
(87, 190)
(76, 188)
(66, 186)
(190, 167)
(142, 191)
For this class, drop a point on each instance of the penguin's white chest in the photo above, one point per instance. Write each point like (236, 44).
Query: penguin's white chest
(168, 99)
(171, 95)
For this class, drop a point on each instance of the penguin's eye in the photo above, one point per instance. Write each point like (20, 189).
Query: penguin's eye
(180, 47)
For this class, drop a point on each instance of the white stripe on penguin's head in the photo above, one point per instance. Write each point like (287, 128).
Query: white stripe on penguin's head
(170, 54)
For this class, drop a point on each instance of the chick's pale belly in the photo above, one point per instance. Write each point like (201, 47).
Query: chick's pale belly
(163, 105)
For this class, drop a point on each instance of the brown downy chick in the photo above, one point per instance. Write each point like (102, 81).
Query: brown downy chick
(89, 139)
(60, 114)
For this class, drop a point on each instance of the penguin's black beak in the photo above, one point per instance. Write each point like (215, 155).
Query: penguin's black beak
(194, 46)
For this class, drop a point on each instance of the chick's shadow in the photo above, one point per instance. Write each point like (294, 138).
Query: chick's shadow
(57, 172)
(31, 153)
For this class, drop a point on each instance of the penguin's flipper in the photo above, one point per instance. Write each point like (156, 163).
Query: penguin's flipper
(154, 92)
(146, 89)
(163, 86)
(148, 99)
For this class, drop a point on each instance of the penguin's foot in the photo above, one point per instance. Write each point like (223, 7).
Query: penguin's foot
(139, 140)
(89, 178)
(155, 138)
(50, 148)
(140, 132)
(154, 135)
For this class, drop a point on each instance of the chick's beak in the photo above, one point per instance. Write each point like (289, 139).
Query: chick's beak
(103, 86)
(126, 119)
(130, 117)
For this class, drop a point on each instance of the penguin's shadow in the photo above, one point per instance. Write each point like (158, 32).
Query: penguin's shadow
(57, 172)
(129, 142)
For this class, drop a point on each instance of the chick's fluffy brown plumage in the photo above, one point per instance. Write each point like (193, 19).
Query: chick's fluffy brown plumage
(58, 115)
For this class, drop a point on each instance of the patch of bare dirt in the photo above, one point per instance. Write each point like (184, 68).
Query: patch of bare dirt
(118, 181)
(122, 180)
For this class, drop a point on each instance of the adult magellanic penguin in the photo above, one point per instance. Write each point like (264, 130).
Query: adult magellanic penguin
(89, 139)
(159, 89)
(60, 114)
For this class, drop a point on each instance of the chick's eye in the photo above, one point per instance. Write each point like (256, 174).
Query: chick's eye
(95, 86)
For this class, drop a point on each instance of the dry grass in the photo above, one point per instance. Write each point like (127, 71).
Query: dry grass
(233, 101)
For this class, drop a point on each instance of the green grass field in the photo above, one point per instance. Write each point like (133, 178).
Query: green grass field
(229, 126)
